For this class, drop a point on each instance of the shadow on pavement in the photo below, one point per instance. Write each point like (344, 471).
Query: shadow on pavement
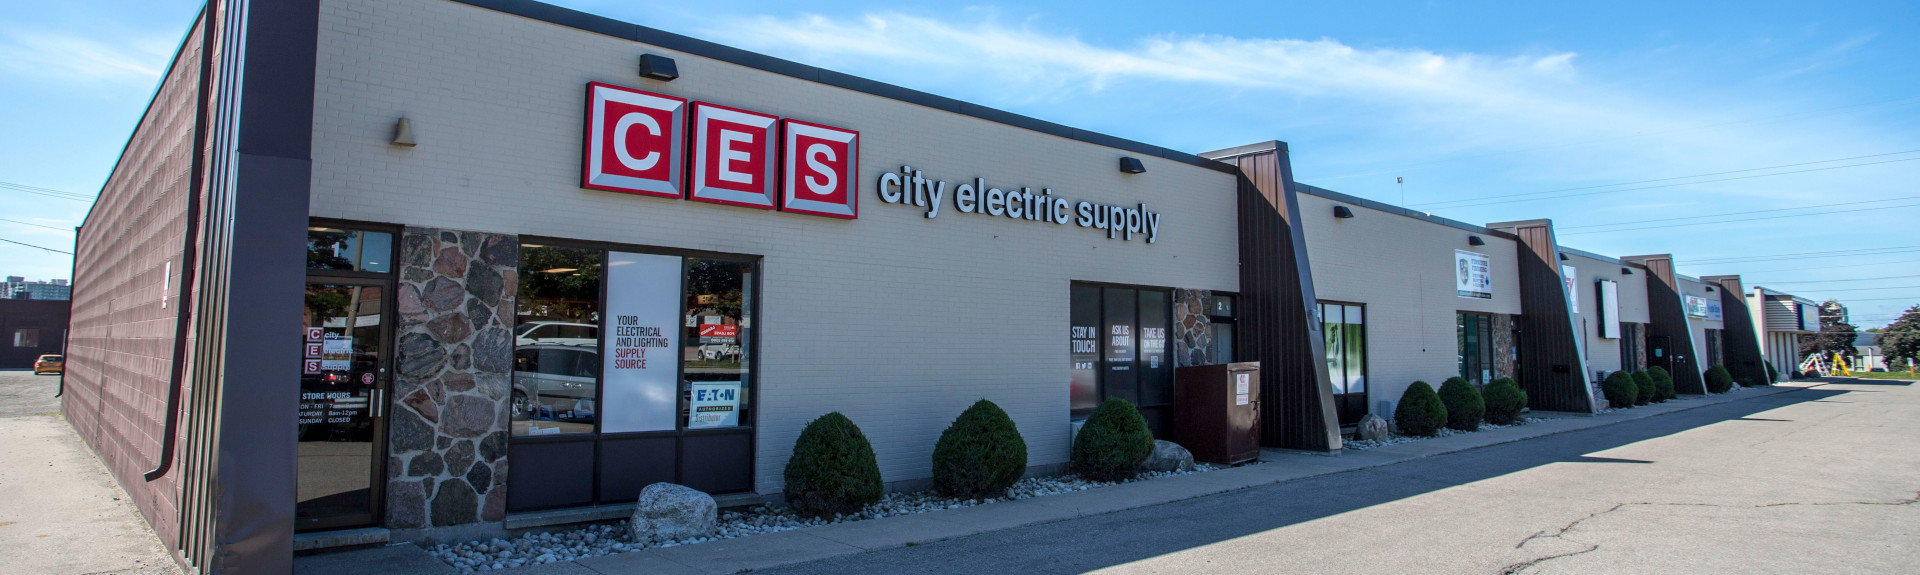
(1099, 541)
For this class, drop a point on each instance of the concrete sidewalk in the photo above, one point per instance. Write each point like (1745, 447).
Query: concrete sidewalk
(789, 547)
(62, 513)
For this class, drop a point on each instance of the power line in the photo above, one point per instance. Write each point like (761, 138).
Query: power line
(1844, 279)
(1735, 213)
(1669, 185)
(1668, 179)
(37, 225)
(1740, 220)
(1800, 255)
(1863, 289)
(1915, 299)
(1634, 135)
(1828, 267)
(50, 192)
(34, 246)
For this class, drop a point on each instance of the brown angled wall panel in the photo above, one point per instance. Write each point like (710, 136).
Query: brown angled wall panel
(1551, 369)
(1277, 322)
(1669, 320)
(1740, 343)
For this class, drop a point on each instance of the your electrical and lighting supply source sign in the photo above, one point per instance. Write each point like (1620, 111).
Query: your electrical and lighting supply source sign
(637, 143)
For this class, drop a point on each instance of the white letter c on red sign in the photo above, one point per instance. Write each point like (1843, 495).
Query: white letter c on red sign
(813, 163)
(620, 141)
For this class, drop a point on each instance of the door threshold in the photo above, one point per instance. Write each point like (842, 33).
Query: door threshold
(340, 538)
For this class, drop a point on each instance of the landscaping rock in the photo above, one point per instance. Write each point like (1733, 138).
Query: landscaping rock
(1168, 456)
(667, 512)
(1371, 428)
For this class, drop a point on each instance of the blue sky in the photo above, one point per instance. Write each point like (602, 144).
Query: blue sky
(1602, 117)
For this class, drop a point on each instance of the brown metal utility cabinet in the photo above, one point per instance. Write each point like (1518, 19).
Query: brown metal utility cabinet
(1216, 411)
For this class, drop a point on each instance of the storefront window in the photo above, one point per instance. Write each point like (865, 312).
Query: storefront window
(1630, 346)
(26, 338)
(556, 357)
(716, 348)
(1346, 343)
(339, 249)
(1120, 350)
(1475, 344)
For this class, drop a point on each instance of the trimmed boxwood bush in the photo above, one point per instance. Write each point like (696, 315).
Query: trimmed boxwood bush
(1463, 403)
(980, 455)
(1504, 400)
(1662, 383)
(1646, 391)
(1619, 390)
(1718, 380)
(1112, 443)
(1420, 412)
(832, 470)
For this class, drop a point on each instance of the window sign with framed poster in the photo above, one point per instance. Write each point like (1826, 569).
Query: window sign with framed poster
(641, 325)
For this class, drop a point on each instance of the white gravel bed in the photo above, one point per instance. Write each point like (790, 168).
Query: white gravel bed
(1365, 444)
(592, 540)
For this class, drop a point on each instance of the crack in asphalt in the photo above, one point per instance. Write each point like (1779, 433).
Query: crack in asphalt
(1561, 533)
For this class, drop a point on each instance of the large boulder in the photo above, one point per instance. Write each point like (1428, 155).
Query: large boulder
(1168, 456)
(667, 512)
(1371, 428)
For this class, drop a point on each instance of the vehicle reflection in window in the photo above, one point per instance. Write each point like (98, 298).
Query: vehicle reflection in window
(556, 357)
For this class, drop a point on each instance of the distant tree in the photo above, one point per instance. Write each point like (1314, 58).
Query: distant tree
(1900, 340)
(1835, 336)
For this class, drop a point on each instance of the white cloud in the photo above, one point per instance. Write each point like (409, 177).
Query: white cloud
(79, 59)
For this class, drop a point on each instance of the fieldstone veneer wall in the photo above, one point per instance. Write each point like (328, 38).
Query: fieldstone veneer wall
(1192, 328)
(447, 437)
(1503, 345)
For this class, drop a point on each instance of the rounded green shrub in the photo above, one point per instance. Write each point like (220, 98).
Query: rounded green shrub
(1645, 390)
(1718, 379)
(1112, 443)
(832, 470)
(1662, 382)
(1464, 404)
(1420, 412)
(1619, 390)
(1504, 400)
(980, 455)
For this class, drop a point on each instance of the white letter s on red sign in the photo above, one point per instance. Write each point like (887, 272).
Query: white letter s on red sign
(813, 163)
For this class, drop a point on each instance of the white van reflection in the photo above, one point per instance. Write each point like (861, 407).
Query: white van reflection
(555, 383)
(556, 333)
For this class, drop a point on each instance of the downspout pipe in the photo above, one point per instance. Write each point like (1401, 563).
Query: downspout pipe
(66, 338)
(189, 251)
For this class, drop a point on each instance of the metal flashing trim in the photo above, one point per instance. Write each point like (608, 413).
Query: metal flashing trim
(1594, 256)
(1400, 211)
(1253, 148)
(654, 37)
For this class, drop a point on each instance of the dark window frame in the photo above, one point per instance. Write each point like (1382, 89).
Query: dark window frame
(749, 419)
(1483, 356)
(1100, 374)
(388, 281)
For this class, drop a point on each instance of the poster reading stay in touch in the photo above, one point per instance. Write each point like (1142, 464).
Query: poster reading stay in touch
(1472, 275)
(640, 366)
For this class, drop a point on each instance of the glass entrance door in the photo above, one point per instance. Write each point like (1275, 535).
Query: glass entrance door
(342, 389)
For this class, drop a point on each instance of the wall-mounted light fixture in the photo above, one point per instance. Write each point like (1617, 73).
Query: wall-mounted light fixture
(1342, 212)
(1131, 165)
(1709, 289)
(1476, 241)
(1626, 271)
(403, 133)
(658, 67)
(1563, 257)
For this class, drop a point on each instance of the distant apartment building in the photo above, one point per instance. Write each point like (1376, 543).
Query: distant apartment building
(18, 287)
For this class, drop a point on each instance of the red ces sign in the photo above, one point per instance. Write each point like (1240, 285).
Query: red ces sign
(635, 142)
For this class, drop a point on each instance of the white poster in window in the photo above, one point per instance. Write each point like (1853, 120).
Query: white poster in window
(1472, 275)
(1609, 310)
(1696, 306)
(336, 352)
(1571, 275)
(714, 404)
(640, 365)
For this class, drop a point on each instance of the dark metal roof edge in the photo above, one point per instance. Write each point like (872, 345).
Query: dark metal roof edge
(571, 18)
(144, 113)
(1594, 256)
(1253, 148)
(1399, 211)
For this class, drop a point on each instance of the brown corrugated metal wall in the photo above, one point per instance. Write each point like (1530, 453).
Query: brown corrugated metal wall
(124, 309)
(1551, 368)
(1277, 323)
(1668, 318)
(1740, 344)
